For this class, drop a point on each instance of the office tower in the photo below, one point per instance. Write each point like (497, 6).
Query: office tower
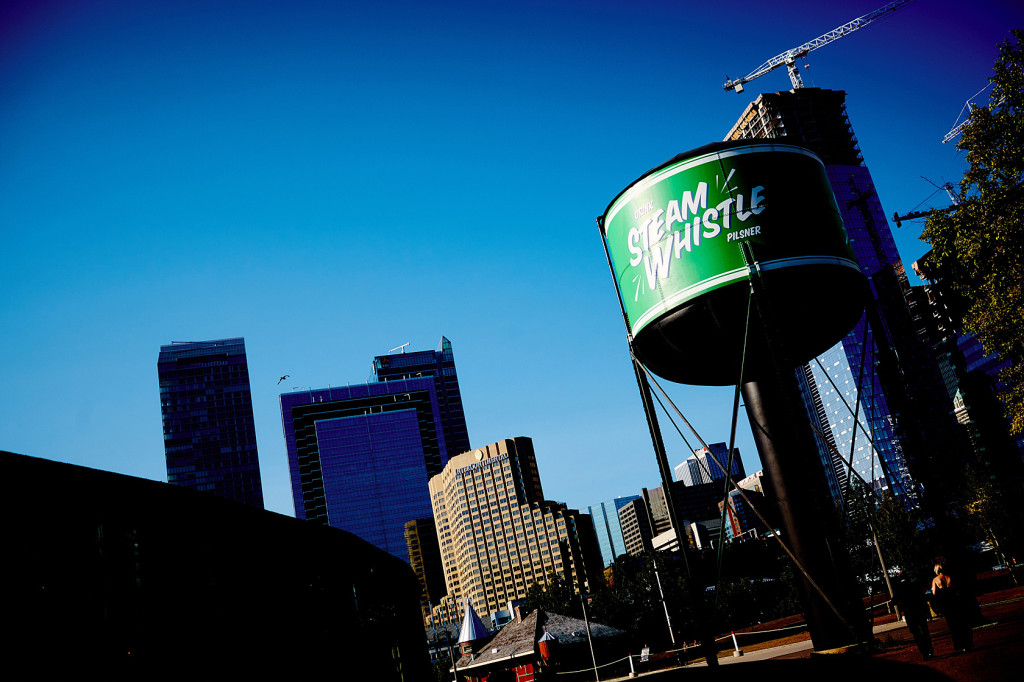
(693, 503)
(209, 431)
(609, 531)
(900, 425)
(646, 518)
(360, 456)
(688, 471)
(700, 468)
(740, 518)
(498, 535)
(439, 364)
(637, 531)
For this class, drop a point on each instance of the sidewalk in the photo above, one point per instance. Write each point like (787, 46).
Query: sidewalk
(998, 654)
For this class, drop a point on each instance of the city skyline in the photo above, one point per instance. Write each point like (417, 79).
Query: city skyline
(202, 171)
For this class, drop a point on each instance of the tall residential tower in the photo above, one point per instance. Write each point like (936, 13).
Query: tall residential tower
(877, 393)
(209, 431)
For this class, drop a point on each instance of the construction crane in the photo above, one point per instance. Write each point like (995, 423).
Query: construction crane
(789, 57)
(969, 107)
(953, 198)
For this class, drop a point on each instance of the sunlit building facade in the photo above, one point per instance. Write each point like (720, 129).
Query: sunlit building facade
(707, 464)
(497, 533)
(608, 528)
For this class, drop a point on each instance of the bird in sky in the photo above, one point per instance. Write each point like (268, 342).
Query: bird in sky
(283, 378)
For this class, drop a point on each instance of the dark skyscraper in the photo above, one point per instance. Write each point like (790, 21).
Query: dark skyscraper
(360, 456)
(877, 394)
(209, 432)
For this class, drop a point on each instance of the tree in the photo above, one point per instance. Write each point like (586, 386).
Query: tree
(976, 246)
(555, 596)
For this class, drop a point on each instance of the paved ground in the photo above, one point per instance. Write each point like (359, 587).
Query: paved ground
(998, 653)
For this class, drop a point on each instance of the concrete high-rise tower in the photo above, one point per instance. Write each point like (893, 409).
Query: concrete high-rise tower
(497, 533)
(209, 431)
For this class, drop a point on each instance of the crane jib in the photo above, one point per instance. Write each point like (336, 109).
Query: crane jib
(789, 56)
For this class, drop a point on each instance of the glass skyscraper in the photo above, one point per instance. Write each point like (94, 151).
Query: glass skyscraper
(209, 431)
(700, 468)
(361, 456)
(877, 394)
(439, 364)
(608, 528)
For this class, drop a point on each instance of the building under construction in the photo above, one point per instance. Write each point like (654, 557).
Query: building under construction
(877, 395)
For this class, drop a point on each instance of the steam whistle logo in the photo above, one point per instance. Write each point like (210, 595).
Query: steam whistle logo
(662, 234)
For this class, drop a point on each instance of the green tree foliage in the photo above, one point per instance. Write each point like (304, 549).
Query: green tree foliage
(887, 525)
(631, 601)
(758, 586)
(991, 514)
(977, 247)
(555, 596)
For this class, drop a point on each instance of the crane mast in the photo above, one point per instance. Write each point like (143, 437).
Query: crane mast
(789, 57)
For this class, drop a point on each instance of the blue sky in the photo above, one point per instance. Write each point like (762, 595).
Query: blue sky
(332, 180)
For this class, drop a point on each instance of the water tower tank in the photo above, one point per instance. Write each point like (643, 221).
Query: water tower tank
(676, 238)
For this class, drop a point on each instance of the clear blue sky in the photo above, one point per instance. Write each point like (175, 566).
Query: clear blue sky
(331, 180)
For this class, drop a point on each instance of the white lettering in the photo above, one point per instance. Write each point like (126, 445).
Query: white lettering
(755, 200)
(658, 263)
(682, 242)
(634, 248)
(672, 214)
(726, 213)
(692, 203)
(711, 228)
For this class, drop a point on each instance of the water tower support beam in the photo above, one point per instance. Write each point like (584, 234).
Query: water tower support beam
(789, 457)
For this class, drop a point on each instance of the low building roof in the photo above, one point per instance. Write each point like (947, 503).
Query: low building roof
(518, 639)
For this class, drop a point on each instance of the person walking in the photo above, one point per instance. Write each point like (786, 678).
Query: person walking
(949, 604)
(910, 598)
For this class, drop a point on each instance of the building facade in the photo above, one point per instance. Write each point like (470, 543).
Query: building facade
(705, 465)
(360, 456)
(440, 365)
(874, 394)
(972, 379)
(145, 580)
(637, 529)
(425, 560)
(497, 533)
(209, 430)
(608, 529)
(740, 519)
